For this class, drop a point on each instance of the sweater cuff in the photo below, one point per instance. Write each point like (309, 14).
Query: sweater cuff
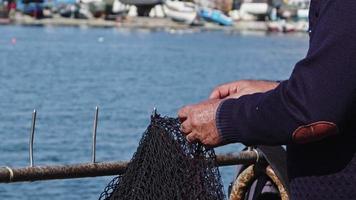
(226, 121)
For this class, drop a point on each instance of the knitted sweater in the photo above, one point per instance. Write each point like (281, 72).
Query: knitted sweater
(313, 112)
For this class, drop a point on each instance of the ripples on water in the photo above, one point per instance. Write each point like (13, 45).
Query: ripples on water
(65, 72)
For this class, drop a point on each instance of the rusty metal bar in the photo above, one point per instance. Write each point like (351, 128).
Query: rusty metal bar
(243, 157)
(38, 173)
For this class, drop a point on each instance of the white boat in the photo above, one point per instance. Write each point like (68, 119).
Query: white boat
(132, 11)
(252, 11)
(143, 7)
(180, 6)
(180, 11)
(157, 11)
(119, 7)
(141, 2)
(255, 8)
(303, 14)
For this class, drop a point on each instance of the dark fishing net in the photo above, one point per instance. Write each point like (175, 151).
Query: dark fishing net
(166, 166)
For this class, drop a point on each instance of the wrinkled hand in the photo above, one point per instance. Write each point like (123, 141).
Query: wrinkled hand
(239, 88)
(198, 122)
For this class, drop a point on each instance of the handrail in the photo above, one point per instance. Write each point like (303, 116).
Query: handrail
(40, 173)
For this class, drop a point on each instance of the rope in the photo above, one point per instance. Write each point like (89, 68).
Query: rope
(248, 176)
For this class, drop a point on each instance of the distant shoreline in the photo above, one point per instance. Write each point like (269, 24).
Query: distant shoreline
(154, 24)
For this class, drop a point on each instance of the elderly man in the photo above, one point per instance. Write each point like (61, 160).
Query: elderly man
(313, 112)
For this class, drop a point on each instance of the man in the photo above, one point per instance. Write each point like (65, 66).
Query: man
(313, 112)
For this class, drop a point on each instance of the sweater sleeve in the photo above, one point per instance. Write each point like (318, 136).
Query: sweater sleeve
(321, 88)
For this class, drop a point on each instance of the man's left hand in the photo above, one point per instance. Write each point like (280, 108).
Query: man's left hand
(198, 122)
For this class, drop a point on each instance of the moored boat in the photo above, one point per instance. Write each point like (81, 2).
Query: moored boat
(143, 6)
(180, 11)
(4, 13)
(253, 10)
(303, 14)
(141, 2)
(215, 16)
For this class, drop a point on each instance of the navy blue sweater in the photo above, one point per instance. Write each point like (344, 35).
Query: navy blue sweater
(313, 112)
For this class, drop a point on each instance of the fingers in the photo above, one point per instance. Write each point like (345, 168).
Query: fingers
(220, 92)
(192, 137)
(232, 89)
(215, 94)
(186, 127)
(183, 113)
(195, 137)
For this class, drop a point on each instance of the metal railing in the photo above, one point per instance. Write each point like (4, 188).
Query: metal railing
(94, 169)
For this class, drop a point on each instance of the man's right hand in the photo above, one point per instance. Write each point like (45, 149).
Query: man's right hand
(237, 89)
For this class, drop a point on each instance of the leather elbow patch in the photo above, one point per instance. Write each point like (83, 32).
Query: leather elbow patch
(314, 132)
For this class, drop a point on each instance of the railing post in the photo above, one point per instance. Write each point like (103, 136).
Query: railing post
(32, 135)
(95, 126)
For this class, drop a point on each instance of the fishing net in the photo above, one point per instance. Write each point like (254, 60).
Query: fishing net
(166, 166)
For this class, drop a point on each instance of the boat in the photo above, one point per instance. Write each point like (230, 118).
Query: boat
(141, 2)
(303, 14)
(180, 11)
(157, 12)
(34, 10)
(215, 16)
(181, 6)
(143, 6)
(4, 14)
(118, 10)
(254, 10)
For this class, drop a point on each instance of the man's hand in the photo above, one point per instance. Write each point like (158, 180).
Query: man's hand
(239, 88)
(198, 122)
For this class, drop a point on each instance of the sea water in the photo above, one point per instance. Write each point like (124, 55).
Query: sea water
(64, 73)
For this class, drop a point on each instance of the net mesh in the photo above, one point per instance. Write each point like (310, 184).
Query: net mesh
(166, 166)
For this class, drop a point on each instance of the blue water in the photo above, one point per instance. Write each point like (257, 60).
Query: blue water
(64, 73)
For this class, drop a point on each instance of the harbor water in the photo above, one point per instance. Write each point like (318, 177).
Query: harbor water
(64, 73)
